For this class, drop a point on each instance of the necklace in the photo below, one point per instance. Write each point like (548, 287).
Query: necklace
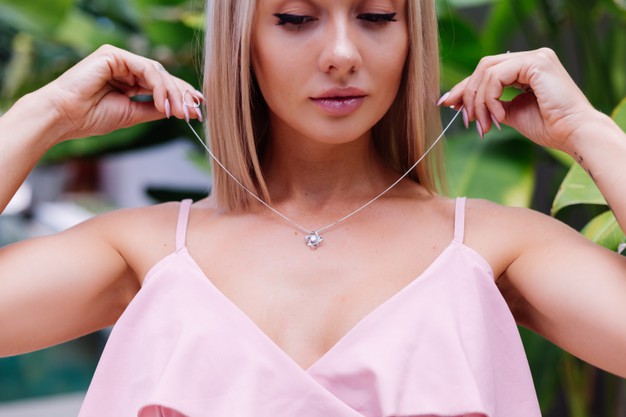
(313, 238)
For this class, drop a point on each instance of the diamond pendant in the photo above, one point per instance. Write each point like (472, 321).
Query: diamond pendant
(313, 240)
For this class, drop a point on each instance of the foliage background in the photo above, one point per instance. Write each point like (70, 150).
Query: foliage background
(39, 39)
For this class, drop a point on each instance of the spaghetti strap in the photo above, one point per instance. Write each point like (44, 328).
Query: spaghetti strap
(459, 219)
(183, 219)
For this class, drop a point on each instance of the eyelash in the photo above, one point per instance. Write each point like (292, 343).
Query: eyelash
(294, 22)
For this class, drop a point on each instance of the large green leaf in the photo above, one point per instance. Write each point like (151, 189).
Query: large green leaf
(496, 33)
(460, 44)
(604, 230)
(577, 188)
(497, 169)
(460, 49)
(619, 114)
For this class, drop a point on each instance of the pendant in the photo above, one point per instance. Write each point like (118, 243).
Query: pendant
(313, 240)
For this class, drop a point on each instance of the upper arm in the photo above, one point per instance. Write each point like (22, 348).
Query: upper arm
(56, 288)
(568, 289)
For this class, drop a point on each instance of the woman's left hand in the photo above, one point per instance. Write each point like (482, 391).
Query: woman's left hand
(549, 111)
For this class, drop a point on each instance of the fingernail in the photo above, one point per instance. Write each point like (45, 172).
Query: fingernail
(479, 128)
(495, 122)
(199, 113)
(186, 111)
(201, 95)
(443, 98)
(168, 108)
(465, 118)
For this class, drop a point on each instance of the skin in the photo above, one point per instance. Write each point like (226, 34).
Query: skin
(318, 169)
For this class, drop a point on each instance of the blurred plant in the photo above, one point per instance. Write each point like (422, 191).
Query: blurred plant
(39, 39)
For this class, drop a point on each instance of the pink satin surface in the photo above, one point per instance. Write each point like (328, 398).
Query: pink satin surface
(445, 345)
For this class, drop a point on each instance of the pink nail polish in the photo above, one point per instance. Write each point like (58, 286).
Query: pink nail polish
(201, 95)
(199, 113)
(442, 99)
(495, 122)
(168, 108)
(186, 112)
(479, 128)
(465, 118)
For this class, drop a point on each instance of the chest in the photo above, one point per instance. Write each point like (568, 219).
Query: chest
(306, 300)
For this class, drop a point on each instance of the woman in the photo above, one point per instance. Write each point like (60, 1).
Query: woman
(220, 307)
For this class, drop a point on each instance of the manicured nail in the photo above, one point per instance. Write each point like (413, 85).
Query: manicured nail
(443, 98)
(199, 113)
(186, 111)
(479, 128)
(201, 95)
(495, 122)
(465, 118)
(168, 108)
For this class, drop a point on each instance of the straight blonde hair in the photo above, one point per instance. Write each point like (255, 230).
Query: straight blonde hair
(237, 114)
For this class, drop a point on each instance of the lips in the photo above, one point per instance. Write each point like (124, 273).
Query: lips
(339, 101)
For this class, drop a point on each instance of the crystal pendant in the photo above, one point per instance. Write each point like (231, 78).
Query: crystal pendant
(313, 240)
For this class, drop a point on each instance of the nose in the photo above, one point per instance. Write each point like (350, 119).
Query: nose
(340, 54)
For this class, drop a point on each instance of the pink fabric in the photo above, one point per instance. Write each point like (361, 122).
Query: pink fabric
(445, 345)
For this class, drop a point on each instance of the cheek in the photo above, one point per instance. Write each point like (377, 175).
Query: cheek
(392, 60)
(281, 74)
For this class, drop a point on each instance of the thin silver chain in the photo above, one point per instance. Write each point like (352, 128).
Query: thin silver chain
(315, 233)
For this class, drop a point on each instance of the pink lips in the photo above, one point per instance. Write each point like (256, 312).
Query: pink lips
(340, 101)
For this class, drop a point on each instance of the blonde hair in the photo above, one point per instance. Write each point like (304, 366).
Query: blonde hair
(237, 114)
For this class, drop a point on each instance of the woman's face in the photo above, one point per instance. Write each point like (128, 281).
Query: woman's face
(328, 69)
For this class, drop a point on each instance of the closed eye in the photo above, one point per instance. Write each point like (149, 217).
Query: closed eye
(378, 17)
(285, 19)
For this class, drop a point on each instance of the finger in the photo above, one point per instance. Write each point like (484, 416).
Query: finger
(509, 72)
(471, 97)
(454, 98)
(193, 101)
(134, 75)
(141, 112)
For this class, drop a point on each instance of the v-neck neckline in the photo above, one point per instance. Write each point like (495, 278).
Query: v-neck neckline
(363, 321)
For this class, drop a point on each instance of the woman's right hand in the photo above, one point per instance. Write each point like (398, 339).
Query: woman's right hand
(94, 97)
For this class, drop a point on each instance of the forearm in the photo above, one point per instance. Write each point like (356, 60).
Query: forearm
(599, 146)
(27, 131)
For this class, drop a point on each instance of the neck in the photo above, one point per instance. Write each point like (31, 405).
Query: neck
(316, 175)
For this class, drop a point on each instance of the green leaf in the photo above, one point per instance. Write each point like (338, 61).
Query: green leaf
(84, 33)
(34, 16)
(577, 188)
(620, 4)
(498, 169)
(619, 114)
(604, 230)
(20, 65)
(460, 44)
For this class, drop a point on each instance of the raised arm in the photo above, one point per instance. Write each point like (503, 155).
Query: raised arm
(92, 98)
(559, 284)
(56, 288)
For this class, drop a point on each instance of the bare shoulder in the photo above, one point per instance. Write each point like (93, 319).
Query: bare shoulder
(142, 235)
(501, 233)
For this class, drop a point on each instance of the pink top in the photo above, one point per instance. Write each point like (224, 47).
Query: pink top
(445, 345)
